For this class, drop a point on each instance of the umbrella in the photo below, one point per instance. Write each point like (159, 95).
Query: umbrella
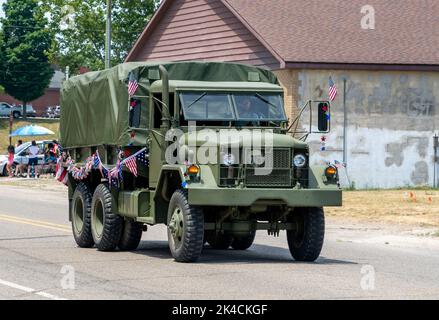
(29, 131)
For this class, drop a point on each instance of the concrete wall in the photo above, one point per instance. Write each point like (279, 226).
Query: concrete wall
(392, 117)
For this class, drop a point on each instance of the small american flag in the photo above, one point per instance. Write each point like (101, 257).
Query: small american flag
(132, 85)
(143, 159)
(96, 162)
(131, 164)
(332, 89)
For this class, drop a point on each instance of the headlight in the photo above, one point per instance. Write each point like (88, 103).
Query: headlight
(299, 161)
(229, 159)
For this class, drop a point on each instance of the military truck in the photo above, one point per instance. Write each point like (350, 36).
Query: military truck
(149, 109)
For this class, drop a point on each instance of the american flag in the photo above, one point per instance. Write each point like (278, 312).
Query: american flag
(132, 85)
(131, 164)
(96, 161)
(332, 89)
(143, 158)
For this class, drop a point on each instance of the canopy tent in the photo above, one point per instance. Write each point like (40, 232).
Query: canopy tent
(31, 131)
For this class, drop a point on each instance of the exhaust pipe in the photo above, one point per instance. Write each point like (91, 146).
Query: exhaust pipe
(166, 117)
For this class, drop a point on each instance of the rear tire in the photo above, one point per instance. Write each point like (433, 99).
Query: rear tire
(306, 241)
(106, 223)
(131, 235)
(185, 228)
(81, 216)
(16, 115)
(219, 241)
(243, 243)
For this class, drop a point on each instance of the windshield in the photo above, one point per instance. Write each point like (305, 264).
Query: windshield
(204, 106)
(22, 147)
(262, 107)
(232, 106)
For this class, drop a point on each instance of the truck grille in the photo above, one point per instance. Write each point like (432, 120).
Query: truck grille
(281, 175)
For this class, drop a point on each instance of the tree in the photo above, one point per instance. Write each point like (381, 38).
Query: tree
(79, 26)
(26, 71)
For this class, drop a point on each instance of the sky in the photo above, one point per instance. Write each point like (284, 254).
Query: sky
(1, 7)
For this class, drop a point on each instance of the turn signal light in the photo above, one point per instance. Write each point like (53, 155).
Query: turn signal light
(331, 172)
(193, 170)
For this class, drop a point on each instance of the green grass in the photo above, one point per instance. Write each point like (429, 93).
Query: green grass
(4, 131)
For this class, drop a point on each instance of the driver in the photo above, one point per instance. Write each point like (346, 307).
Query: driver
(246, 111)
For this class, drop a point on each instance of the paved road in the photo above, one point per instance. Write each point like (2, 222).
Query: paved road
(36, 247)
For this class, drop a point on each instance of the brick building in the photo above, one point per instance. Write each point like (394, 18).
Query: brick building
(391, 71)
(50, 98)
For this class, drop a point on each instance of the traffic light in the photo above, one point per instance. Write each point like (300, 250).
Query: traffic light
(323, 116)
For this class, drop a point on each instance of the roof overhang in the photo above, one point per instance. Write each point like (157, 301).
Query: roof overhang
(361, 66)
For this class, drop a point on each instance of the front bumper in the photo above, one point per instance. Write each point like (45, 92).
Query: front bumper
(247, 197)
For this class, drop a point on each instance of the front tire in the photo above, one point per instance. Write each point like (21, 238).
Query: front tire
(185, 228)
(131, 235)
(106, 223)
(81, 216)
(306, 240)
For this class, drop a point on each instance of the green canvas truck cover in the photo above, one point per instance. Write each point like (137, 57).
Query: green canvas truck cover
(94, 106)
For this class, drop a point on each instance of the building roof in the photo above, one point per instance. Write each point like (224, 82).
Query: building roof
(57, 80)
(328, 33)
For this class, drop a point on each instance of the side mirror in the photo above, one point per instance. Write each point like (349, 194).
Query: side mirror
(324, 116)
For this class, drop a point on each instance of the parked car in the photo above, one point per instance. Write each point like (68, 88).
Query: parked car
(53, 112)
(30, 111)
(22, 157)
(17, 111)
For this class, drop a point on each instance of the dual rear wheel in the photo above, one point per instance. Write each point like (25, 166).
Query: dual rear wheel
(95, 221)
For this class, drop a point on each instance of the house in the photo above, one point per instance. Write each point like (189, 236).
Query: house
(50, 98)
(387, 51)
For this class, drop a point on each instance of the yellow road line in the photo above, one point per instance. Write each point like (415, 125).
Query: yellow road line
(36, 223)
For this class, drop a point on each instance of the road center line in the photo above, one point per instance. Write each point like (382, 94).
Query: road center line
(29, 290)
(36, 223)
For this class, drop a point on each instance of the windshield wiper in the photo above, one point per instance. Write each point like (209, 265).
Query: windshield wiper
(266, 101)
(196, 100)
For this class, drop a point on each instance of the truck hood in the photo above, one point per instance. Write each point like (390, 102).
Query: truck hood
(214, 138)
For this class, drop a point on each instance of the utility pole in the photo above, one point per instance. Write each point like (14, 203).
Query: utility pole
(436, 159)
(345, 124)
(108, 36)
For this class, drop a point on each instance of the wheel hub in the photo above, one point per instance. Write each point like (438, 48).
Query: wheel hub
(176, 226)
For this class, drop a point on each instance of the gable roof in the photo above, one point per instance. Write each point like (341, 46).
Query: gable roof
(328, 33)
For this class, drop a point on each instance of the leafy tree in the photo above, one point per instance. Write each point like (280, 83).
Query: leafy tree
(26, 41)
(80, 30)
